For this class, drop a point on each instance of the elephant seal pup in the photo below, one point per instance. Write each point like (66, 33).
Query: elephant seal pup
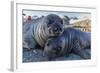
(71, 40)
(37, 31)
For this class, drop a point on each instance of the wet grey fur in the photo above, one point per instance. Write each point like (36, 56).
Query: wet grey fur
(71, 40)
(37, 31)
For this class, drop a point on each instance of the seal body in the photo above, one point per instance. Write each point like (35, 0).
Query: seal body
(71, 40)
(37, 31)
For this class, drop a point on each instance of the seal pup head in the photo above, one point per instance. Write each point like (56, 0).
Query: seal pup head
(54, 25)
(53, 47)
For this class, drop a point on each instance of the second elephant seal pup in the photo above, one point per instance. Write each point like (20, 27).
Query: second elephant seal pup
(71, 40)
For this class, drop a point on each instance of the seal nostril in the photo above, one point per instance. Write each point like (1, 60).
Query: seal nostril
(60, 29)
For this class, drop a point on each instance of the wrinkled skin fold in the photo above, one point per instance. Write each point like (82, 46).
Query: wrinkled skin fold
(71, 40)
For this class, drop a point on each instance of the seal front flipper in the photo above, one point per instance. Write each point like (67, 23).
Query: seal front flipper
(81, 52)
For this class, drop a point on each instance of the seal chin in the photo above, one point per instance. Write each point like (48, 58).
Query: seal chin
(54, 34)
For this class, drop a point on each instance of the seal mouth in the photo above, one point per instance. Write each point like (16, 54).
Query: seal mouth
(55, 33)
(55, 30)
